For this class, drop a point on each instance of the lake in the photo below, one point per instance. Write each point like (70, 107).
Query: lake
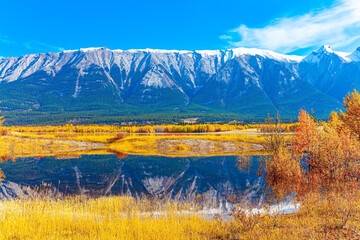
(216, 179)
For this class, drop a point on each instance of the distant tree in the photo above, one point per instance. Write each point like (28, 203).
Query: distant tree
(313, 115)
(2, 158)
(351, 117)
(1, 119)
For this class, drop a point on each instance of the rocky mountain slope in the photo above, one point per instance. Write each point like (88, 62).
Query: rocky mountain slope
(248, 82)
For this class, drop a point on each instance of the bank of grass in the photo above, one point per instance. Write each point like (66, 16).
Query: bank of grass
(127, 218)
(84, 137)
(105, 137)
(188, 145)
(16, 147)
(20, 144)
(163, 128)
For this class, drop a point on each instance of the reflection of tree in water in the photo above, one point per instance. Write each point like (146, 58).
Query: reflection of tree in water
(4, 159)
(119, 154)
(67, 156)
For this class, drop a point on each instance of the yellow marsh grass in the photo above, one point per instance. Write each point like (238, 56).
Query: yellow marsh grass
(22, 147)
(149, 145)
(49, 144)
(86, 137)
(102, 218)
(12, 147)
(105, 137)
(131, 129)
(126, 218)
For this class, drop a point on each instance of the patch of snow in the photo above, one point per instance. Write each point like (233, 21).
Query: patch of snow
(155, 51)
(91, 49)
(355, 56)
(266, 54)
(316, 55)
(154, 78)
(69, 51)
(208, 52)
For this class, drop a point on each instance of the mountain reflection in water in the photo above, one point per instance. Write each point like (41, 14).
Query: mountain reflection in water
(216, 179)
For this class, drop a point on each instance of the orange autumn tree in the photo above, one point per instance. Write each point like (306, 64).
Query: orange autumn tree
(281, 168)
(331, 154)
(351, 117)
(322, 158)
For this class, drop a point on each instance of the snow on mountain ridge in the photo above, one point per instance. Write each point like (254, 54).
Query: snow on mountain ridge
(316, 55)
(186, 64)
(229, 80)
(355, 56)
(14, 68)
(237, 52)
(266, 54)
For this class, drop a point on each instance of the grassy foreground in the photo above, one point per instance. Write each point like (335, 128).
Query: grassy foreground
(126, 218)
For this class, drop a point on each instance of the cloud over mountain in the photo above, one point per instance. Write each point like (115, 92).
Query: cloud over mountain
(338, 26)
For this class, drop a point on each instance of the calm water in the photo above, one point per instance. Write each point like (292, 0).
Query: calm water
(216, 178)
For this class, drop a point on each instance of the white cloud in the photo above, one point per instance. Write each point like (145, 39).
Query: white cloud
(41, 46)
(338, 26)
(5, 40)
(35, 46)
(225, 37)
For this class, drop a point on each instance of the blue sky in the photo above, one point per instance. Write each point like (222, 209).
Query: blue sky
(280, 25)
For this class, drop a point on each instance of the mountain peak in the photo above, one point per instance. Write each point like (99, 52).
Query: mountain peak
(355, 56)
(324, 48)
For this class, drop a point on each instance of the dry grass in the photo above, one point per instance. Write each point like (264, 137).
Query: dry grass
(188, 145)
(102, 218)
(22, 147)
(126, 218)
(85, 137)
(14, 147)
(18, 144)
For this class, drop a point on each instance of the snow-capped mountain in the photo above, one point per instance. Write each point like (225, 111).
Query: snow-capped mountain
(334, 73)
(243, 81)
(14, 68)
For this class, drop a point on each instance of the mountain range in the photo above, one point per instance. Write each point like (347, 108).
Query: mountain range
(90, 84)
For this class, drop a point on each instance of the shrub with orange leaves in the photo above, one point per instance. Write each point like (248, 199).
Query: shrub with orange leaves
(351, 117)
(281, 168)
(283, 173)
(321, 158)
(118, 136)
(331, 153)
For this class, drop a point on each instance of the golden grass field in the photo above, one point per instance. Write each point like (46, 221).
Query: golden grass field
(31, 141)
(126, 218)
